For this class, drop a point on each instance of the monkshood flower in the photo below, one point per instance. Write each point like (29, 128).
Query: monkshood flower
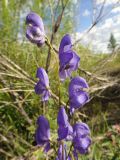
(65, 130)
(68, 59)
(42, 86)
(77, 96)
(42, 134)
(62, 154)
(81, 138)
(35, 30)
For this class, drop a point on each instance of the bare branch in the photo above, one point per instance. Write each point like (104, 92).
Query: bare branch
(54, 31)
(93, 75)
(99, 18)
(52, 13)
(6, 153)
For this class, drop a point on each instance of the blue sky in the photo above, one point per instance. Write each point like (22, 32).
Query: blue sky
(99, 36)
(84, 8)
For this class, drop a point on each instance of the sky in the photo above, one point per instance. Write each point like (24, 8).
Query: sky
(97, 39)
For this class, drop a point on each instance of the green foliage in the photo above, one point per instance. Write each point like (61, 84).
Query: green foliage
(112, 43)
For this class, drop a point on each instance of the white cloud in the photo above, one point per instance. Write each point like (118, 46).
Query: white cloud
(75, 1)
(86, 13)
(108, 2)
(99, 36)
(116, 10)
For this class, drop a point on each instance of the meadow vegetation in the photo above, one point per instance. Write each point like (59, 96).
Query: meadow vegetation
(20, 106)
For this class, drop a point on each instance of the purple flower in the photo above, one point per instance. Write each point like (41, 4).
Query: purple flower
(35, 30)
(65, 130)
(77, 96)
(68, 59)
(42, 86)
(81, 139)
(42, 134)
(62, 154)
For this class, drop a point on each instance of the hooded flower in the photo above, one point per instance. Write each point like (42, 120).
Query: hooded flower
(81, 139)
(62, 154)
(77, 96)
(35, 30)
(68, 59)
(42, 134)
(42, 86)
(65, 130)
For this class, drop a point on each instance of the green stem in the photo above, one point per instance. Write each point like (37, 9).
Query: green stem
(70, 150)
(53, 146)
(67, 109)
(49, 44)
(44, 108)
(62, 150)
(59, 94)
(49, 53)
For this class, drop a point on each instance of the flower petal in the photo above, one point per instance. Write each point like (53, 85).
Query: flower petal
(65, 130)
(65, 44)
(35, 35)
(46, 95)
(62, 155)
(77, 84)
(77, 97)
(65, 133)
(35, 20)
(82, 144)
(43, 130)
(68, 63)
(40, 88)
(78, 100)
(81, 129)
(64, 74)
(42, 75)
(47, 147)
(74, 61)
(65, 58)
(69, 60)
(81, 139)
(62, 133)
(62, 118)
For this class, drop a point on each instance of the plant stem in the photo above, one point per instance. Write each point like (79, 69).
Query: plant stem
(49, 53)
(70, 150)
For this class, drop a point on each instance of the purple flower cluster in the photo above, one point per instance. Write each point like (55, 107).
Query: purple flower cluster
(78, 133)
(77, 96)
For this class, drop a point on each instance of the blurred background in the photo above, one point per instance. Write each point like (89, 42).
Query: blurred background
(95, 29)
